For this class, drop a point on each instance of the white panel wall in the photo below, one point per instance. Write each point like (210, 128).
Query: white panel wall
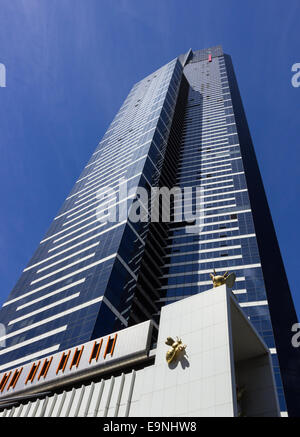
(201, 383)
(107, 398)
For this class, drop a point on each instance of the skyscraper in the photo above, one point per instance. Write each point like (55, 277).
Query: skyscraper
(182, 126)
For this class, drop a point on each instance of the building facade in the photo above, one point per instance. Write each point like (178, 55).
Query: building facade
(228, 373)
(182, 126)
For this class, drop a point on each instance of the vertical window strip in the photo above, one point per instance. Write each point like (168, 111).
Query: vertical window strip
(107, 345)
(63, 362)
(110, 346)
(76, 357)
(32, 372)
(4, 381)
(45, 368)
(96, 350)
(15, 378)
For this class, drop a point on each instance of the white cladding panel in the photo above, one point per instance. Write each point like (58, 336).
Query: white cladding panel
(222, 348)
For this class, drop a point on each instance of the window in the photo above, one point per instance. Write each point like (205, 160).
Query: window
(15, 378)
(32, 372)
(45, 368)
(111, 342)
(76, 357)
(95, 351)
(4, 381)
(63, 362)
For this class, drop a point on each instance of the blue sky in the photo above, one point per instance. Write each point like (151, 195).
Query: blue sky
(71, 63)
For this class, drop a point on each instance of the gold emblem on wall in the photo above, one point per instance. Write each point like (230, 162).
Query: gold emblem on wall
(177, 348)
(228, 279)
